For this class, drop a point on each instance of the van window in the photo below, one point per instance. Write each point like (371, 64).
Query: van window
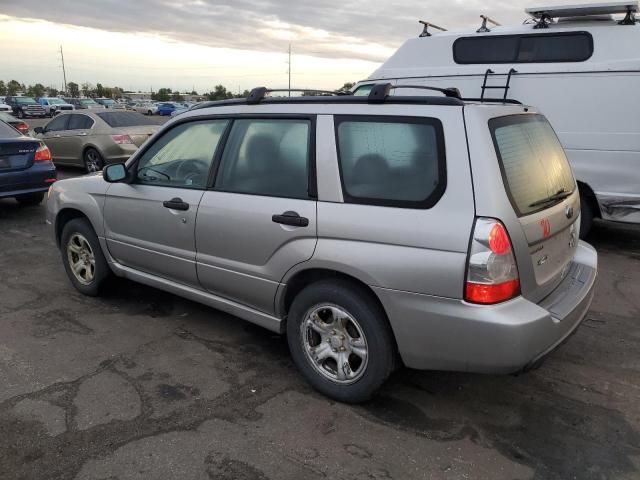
(533, 48)
(390, 161)
(534, 166)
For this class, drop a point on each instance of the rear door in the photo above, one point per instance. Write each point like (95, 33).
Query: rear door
(542, 190)
(259, 220)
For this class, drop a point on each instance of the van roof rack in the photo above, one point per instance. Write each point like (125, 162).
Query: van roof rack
(259, 93)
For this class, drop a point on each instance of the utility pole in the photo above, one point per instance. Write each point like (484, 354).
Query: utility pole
(64, 72)
(289, 69)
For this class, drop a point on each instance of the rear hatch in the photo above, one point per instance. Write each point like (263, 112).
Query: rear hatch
(543, 192)
(16, 152)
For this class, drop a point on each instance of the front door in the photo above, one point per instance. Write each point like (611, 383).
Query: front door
(259, 220)
(52, 136)
(150, 222)
(73, 139)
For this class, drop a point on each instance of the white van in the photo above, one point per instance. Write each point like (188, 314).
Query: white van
(577, 64)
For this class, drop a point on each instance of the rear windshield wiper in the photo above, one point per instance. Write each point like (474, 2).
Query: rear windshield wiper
(559, 195)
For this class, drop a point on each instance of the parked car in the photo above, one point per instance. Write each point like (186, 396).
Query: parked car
(585, 54)
(84, 104)
(4, 107)
(109, 103)
(93, 139)
(23, 107)
(166, 108)
(20, 125)
(439, 230)
(26, 170)
(145, 108)
(54, 105)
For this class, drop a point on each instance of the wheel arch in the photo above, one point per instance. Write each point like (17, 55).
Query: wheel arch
(64, 216)
(303, 278)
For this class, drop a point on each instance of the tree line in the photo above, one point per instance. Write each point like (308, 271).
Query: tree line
(75, 90)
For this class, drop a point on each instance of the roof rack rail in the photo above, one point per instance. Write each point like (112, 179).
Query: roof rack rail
(380, 91)
(259, 93)
(510, 101)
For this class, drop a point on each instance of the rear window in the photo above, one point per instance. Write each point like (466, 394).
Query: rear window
(391, 161)
(7, 131)
(537, 48)
(125, 119)
(534, 166)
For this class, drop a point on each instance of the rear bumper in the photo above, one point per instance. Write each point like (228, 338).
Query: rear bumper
(37, 178)
(447, 334)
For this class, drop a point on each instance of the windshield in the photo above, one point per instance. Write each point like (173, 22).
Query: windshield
(25, 100)
(107, 102)
(534, 166)
(55, 101)
(87, 101)
(125, 119)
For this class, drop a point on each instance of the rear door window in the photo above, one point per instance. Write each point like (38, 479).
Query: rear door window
(391, 161)
(535, 169)
(79, 122)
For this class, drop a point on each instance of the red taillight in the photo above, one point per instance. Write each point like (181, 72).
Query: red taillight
(43, 154)
(23, 127)
(492, 273)
(122, 139)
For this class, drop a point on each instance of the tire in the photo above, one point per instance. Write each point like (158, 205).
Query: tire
(94, 271)
(30, 199)
(20, 114)
(149, 113)
(366, 329)
(93, 161)
(586, 215)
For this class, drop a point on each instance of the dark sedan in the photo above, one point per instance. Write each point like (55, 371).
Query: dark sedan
(26, 169)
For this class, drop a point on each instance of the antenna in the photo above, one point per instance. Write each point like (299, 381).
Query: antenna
(483, 28)
(64, 72)
(289, 69)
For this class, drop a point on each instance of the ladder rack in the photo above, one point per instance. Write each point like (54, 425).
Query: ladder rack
(504, 87)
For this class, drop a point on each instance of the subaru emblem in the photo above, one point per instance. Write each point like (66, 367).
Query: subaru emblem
(568, 212)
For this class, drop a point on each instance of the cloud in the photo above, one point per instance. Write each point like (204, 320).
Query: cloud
(366, 30)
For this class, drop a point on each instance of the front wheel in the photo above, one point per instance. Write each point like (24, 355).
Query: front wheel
(93, 161)
(340, 340)
(30, 199)
(20, 114)
(83, 259)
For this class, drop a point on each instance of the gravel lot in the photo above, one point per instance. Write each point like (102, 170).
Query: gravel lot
(141, 384)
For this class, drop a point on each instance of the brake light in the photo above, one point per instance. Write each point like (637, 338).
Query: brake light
(43, 154)
(23, 127)
(122, 139)
(492, 273)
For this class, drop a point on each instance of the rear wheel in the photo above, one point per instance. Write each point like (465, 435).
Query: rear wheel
(340, 340)
(586, 214)
(30, 198)
(83, 258)
(93, 161)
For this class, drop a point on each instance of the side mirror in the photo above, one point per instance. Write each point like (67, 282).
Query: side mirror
(39, 130)
(116, 172)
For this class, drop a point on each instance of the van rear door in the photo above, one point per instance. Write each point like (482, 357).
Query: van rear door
(542, 190)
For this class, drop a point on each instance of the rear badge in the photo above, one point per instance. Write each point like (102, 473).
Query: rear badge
(546, 227)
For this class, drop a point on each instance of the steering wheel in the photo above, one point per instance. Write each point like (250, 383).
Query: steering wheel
(189, 170)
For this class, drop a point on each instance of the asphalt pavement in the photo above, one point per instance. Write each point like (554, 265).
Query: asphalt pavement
(141, 384)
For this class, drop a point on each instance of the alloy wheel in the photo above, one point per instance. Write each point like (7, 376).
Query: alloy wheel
(81, 259)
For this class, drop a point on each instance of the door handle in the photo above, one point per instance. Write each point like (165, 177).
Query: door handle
(176, 204)
(84, 134)
(291, 218)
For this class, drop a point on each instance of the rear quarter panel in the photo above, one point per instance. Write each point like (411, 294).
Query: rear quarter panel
(414, 250)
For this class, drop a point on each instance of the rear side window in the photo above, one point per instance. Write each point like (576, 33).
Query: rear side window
(124, 119)
(267, 157)
(534, 166)
(391, 161)
(80, 122)
(537, 48)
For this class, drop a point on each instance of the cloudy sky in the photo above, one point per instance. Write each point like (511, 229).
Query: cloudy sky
(185, 44)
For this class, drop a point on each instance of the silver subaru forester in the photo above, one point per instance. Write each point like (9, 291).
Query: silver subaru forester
(375, 231)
